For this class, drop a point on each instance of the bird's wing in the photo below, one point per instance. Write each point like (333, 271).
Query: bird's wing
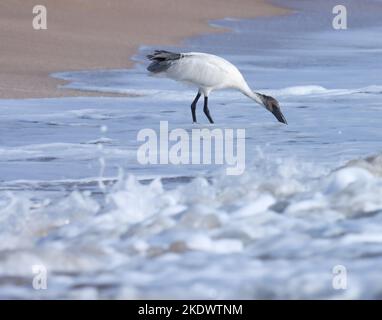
(203, 70)
(162, 60)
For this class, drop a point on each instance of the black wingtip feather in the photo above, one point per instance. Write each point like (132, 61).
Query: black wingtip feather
(163, 55)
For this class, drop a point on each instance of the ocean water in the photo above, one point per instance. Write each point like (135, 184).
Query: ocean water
(74, 199)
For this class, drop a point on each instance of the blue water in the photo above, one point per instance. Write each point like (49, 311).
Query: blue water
(74, 198)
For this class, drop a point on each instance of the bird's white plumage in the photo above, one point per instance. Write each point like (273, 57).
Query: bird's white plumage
(206, 71)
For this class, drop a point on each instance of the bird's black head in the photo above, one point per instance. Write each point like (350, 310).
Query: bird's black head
(272, 105)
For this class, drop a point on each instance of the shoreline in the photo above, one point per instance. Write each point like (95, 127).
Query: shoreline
(105, 37)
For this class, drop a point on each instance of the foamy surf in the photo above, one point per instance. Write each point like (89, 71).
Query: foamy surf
(277, 215)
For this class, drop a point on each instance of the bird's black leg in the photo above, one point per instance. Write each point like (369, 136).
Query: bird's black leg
(206, 110)
(193, 107)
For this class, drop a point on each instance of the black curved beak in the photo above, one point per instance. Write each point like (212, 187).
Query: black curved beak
(278, 114)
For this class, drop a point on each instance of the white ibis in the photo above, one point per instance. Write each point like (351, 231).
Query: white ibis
(207, 72)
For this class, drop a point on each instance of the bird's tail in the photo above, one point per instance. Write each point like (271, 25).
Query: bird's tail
(162, 60)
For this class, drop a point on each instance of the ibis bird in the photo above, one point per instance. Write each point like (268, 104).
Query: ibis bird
(207, 72)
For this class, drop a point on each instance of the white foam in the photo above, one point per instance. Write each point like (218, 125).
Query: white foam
(193, 227)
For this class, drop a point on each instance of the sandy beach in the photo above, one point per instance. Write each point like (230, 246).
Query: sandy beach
(98, 34)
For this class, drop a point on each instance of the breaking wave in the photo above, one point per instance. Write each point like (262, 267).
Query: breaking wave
(278, 221)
